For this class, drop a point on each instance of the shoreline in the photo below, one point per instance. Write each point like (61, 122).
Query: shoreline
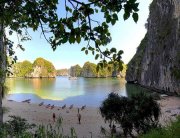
(91, 120)
(155, 89)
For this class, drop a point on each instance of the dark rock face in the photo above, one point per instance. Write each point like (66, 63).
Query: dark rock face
(157, 64)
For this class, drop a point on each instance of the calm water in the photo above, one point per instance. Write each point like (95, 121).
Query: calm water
(61, 90)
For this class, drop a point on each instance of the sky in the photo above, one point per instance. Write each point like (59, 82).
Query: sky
(126, 36)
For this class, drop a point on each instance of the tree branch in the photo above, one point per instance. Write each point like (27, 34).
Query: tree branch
(82, 3)
(43, 32)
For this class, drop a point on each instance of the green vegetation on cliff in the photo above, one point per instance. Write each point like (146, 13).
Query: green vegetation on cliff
(40, 68)
(44, 68)
(75, 71)
(21, 69)
(40, 62)
(89, 70)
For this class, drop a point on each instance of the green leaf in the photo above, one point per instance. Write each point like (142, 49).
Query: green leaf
(132, 1)
(135, 17)
(86, 52)
(115, 16)
(108, 19)
(126, 15)
(114, 56)
(64, 40)
(97, 56)
(83, 49)
(78, 39)
(71, 39)
(135, 7)
(113, 50)
(90, 48)
(68, 9)
(120, 52)
(61, 27)
(98, 41)
(113, 21)
(93, 52)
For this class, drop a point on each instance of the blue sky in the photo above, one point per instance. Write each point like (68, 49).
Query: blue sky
(126, 36)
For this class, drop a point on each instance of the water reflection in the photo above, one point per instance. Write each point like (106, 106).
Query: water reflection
(133, 88)
(78, 92)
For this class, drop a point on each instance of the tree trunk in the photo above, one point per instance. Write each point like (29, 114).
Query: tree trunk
(2, 69)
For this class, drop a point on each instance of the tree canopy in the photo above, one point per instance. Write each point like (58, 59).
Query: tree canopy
(138, 113)
(77, 25)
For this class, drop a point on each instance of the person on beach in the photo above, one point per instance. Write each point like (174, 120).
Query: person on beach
(79, 117)
(54, 117)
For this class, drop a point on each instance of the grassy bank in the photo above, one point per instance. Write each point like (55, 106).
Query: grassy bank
(170, 131)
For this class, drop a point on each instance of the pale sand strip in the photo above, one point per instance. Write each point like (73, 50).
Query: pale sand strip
(91, 119)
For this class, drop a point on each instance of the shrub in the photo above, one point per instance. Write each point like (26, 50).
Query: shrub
(18, 127)
(171, 131)
(139, 112)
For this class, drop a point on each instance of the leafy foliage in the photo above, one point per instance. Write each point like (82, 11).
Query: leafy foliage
(170, 131)
(77, 24)
(140, 112)
(17, 125)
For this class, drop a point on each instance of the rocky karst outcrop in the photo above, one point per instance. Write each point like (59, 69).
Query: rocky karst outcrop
(62, 72)
(42, 69)
(89, 70)
(156, 63)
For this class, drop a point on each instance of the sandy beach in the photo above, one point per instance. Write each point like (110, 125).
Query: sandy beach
(91, 120)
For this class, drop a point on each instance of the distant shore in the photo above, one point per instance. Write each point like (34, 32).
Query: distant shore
(91, 119)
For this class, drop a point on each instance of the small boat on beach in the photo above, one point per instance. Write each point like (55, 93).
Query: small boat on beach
(26, 101)
(47, 106)
(41, 103)
(64, 106)
(52, 106)
(71, 106)
(83, 107)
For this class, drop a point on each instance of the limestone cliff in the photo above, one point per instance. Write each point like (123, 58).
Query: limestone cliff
(42, 69)
(62, 72)
(156, 63)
